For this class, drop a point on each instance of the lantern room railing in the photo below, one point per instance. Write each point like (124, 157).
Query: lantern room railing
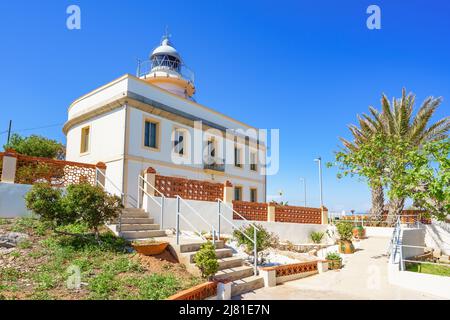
(145, 67)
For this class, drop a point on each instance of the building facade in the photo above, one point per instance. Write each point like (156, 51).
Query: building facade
(151, 120)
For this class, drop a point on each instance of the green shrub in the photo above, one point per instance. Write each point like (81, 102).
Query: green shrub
(333, 256)
(317, 236)
(91, 204)
(45, 201)
(264, 239)
(206, 260)
(345, 230)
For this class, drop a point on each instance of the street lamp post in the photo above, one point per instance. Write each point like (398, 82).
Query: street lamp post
(319, 161)
(304, 189)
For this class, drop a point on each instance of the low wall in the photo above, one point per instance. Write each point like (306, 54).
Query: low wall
(289, 272)
(12, 202)
(422, 282)
(207, 209)
(379, 232)
(293, 232)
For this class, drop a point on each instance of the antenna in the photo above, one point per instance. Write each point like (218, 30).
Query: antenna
(167, 35)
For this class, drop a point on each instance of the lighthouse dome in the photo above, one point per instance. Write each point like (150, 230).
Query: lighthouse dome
(165, 49)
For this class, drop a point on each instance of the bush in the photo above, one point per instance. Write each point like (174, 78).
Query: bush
(316, 237)
(264, 239)
(85, 206)
(333, 256)
(46, 202)
(345, 230)
(206, 260)
(91, 204)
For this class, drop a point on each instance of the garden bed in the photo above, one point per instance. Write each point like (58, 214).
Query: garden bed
(40, 267)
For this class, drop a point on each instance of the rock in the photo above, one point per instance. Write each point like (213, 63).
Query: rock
(437, 253)
(12, 239)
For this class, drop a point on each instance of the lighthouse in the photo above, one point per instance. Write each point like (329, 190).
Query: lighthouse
(166, 69)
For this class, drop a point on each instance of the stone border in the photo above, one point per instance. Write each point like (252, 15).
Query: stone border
(288, 272)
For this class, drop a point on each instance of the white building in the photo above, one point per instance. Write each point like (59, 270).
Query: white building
(149, 120)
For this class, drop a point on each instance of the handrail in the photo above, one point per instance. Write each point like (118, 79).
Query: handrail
(122, 195)
(255, 228)
(242, 217)
(178, 215)
(163, 198)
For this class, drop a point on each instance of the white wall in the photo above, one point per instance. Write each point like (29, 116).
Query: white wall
(12, 201)
(422, 282)
(295, 232)
(412, 237)
(379, 232)
(208, 210)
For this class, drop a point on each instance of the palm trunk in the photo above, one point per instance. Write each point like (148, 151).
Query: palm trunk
(395, 209)
(377, 202)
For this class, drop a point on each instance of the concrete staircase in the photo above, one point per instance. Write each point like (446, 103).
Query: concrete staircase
(231, 268)
(136, 224)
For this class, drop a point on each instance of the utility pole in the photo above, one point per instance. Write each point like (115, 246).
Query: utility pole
(9, 131)
(304, 189)
(319, 161)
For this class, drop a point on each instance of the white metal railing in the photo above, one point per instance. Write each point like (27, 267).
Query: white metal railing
(98, 173)
(141, 191)
(179, 215)
(255, 229)
(402, 261)
(145, 67)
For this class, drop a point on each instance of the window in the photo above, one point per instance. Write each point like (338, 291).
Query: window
(151, 134)
(253, 195)
(253, 162)
(211, 148)
(238, 193)
(85, 132)
(237, 157)
(179, 143)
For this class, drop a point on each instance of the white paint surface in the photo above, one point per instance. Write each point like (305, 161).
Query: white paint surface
(12, 202)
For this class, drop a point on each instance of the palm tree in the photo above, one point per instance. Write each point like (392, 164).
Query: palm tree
(367, 129)
(396, 121)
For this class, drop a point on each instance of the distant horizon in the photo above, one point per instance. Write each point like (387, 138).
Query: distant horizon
(305, 69)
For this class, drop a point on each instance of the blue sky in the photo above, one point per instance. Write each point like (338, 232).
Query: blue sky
(304, 67)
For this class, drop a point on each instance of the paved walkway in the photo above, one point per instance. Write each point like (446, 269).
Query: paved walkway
(364, 276)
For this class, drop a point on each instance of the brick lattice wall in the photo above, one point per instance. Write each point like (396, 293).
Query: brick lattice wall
(189, 189)
(298, 214)
(250, 210)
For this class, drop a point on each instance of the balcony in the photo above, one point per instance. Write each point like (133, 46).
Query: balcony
(214, 164)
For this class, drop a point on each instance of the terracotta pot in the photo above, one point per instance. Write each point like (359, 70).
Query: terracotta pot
(346, 247)
(359, 232)
(334, 264)
(150, 249)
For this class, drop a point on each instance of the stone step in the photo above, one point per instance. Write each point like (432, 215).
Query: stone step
(235, 273)
(135, 215)
(246, 284)
(137, 220)
(221, 253)
(138, 227)
(133, 210)
(129, 235)
(230, 262)
(195, 246)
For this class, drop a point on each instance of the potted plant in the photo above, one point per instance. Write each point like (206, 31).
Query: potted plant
(149, 247)
(334, 260)
(345, 231)
(316, 236)
(359, 232)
